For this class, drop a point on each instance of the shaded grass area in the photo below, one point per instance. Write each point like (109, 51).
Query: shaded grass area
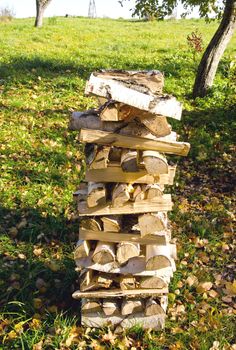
(42, 79)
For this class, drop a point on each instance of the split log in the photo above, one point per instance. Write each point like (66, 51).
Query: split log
(152, 223)
(155, 163)
(139, 193)
(129, 307)
(153, 282)
(158, 257)
(146, 81)
(164, 302)
(127, 282)
(90, 306)
(104, 253)
(129, 161)
(153, 191)
(91, 281)
(152, 307)
(90, 224)
(82, 250)
(110, 307)
(96, 194)
(173, 251)
(163, 105)
(134, 142)
(81, 194)
(126, 251)
(112, 223)
(100, 157)
(157, 124)
(121, 194)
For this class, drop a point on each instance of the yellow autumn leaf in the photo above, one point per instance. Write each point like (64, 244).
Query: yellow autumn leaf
(231, 287)
(12, 335)
(204, 287)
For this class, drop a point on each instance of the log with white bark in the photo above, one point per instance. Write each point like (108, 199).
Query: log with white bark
(126, 251)
(152, 307)
(163, 105)
(153, 191)
(90, 224)
(164, 302)
(132, 306)
(82, 249)
(104, 253)
(90, 306)
(96, 194)
(158, 257)
(151, 81)
(127, 282)
(121, 194)
(152, 223)
(155, 163)
(110, 307)
(129, 161)
(112, 223)
(153, 282)
(139, 193)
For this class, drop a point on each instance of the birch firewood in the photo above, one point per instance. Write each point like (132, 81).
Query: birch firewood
(82, 250)
(155, 163)
(153, 282)
(110, 307)
(152, 223)
(157, 124)
(152, 307)
(129, 307)
(121, 194)
(153, 191)
(157, 257)
(129, 160)
(100, 158)
(164, 302)
(127, 282)
(90, 306)
(104, 253)
(112, 223)
(126, 251)
(96, 194)
(91, 281)
(90, 224)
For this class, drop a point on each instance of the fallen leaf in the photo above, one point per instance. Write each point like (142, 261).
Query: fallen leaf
(204, 287)
(192, 280)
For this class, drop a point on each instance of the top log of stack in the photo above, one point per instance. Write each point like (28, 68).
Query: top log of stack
(125, 254)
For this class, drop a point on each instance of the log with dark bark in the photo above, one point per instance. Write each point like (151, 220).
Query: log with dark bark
(214, 51)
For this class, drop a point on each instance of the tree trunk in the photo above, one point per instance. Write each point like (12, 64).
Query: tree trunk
(211, 57)
(41, 6)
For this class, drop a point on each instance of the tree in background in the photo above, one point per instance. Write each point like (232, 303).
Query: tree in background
(41, 6)
(226, 11)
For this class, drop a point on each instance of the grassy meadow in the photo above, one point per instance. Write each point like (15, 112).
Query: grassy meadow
(42, 78)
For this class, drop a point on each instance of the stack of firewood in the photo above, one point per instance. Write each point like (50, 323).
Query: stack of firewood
(125, 253)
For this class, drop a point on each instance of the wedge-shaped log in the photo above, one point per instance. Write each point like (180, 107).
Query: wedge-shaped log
(147, 81)
(135, 237)
(139, 143)
(132, 306)
(90, 224)
(158, 257)
(126, 251)
(115, 174)
(90, 306)
(116, 293)
(82, 249)
(98, 157)
(121, 194)
(163, 203)
(110, 307)
(112, 223)
(91, 281)
(96, 194)
(153, 282)
(129, 161)
(104, 253)
(114, 111)
(153, 307)
(147, 192)
(127, 282)
(152, 223)
(164, 105)
(155, 163)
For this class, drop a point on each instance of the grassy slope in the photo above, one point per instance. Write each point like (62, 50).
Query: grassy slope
(42, 77)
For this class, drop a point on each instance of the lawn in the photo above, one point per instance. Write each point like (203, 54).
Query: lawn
(42, 78)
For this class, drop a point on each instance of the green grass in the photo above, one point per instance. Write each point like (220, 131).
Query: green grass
(42, 79)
